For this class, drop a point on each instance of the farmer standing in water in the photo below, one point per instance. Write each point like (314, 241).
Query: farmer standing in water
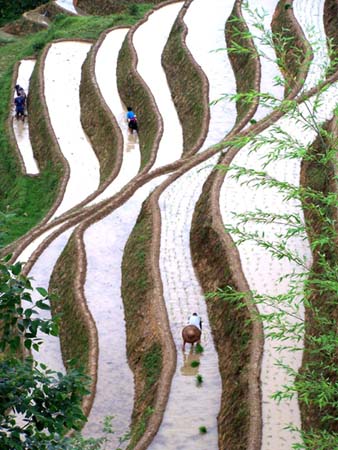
(132, 120)
(192, 332)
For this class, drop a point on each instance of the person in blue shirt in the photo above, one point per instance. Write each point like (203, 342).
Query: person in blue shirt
(132, 120)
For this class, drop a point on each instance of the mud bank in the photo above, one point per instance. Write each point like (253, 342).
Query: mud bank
(321, 318)
(144, 344)
(97, 120)
(188, 85)
(217, 264)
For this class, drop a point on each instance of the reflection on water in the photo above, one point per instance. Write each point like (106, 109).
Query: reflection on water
(132, 141)
(67, 4)
(63, 102)
(107, 57)
(149, 51)
(188, 368)
(20, 128)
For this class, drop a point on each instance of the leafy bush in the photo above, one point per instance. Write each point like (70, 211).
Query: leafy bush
(10, 10)
(37, 405)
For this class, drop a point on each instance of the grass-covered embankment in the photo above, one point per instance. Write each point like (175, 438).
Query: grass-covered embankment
(231, 326)
(143, 342)
(319, 372)
(188, 85)
(98, 121)
(30, 198)
(103, 7)
(74, 335)
(294, 53)
(318, 401)
(244, 61)
(331, 30)
(78, 334)
(21, 194)
(44, 143)
(134, 92)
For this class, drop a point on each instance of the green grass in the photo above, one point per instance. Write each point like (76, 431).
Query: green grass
(152, 365)
(318, 375)
(143, 347)
(199, 348)
(133, 92)
(139, 430)
(230, 326)
(6, 38)
(74, 335)
(30, 198)
(243, 62)
(199, 379)
(186, 86)
(24, 201)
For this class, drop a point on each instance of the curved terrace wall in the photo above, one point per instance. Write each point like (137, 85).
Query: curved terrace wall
(78, 334)
(133, 91)
(97, 120)
(215, 260)
(23, 26)
(320, 177)
(208, 233)
(53, 167)
(45, 146)
(145, 347)
(331, 29)
(217, 265)
(188, 84)
(294, 53)
(246, 65)
(103, 7)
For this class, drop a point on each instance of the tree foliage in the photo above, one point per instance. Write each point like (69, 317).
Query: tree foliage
(37, 405)
(11, 10)
(314, 288)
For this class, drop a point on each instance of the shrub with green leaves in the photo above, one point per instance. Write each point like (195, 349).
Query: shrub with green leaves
(19, 325)
(37, 405)
(10, 10)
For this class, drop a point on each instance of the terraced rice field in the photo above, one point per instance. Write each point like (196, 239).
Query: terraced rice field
(147, 200)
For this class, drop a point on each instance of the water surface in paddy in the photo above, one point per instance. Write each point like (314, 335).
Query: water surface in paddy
(105, 73)
(149, 40)
(21, 129)
(102, 289)
(191, 405)
(67, 4)
(63, 103)
(264, 272)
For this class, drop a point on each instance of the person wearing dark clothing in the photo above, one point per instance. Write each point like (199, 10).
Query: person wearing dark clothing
(19, 102)
(18, 88)
(20, 91)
